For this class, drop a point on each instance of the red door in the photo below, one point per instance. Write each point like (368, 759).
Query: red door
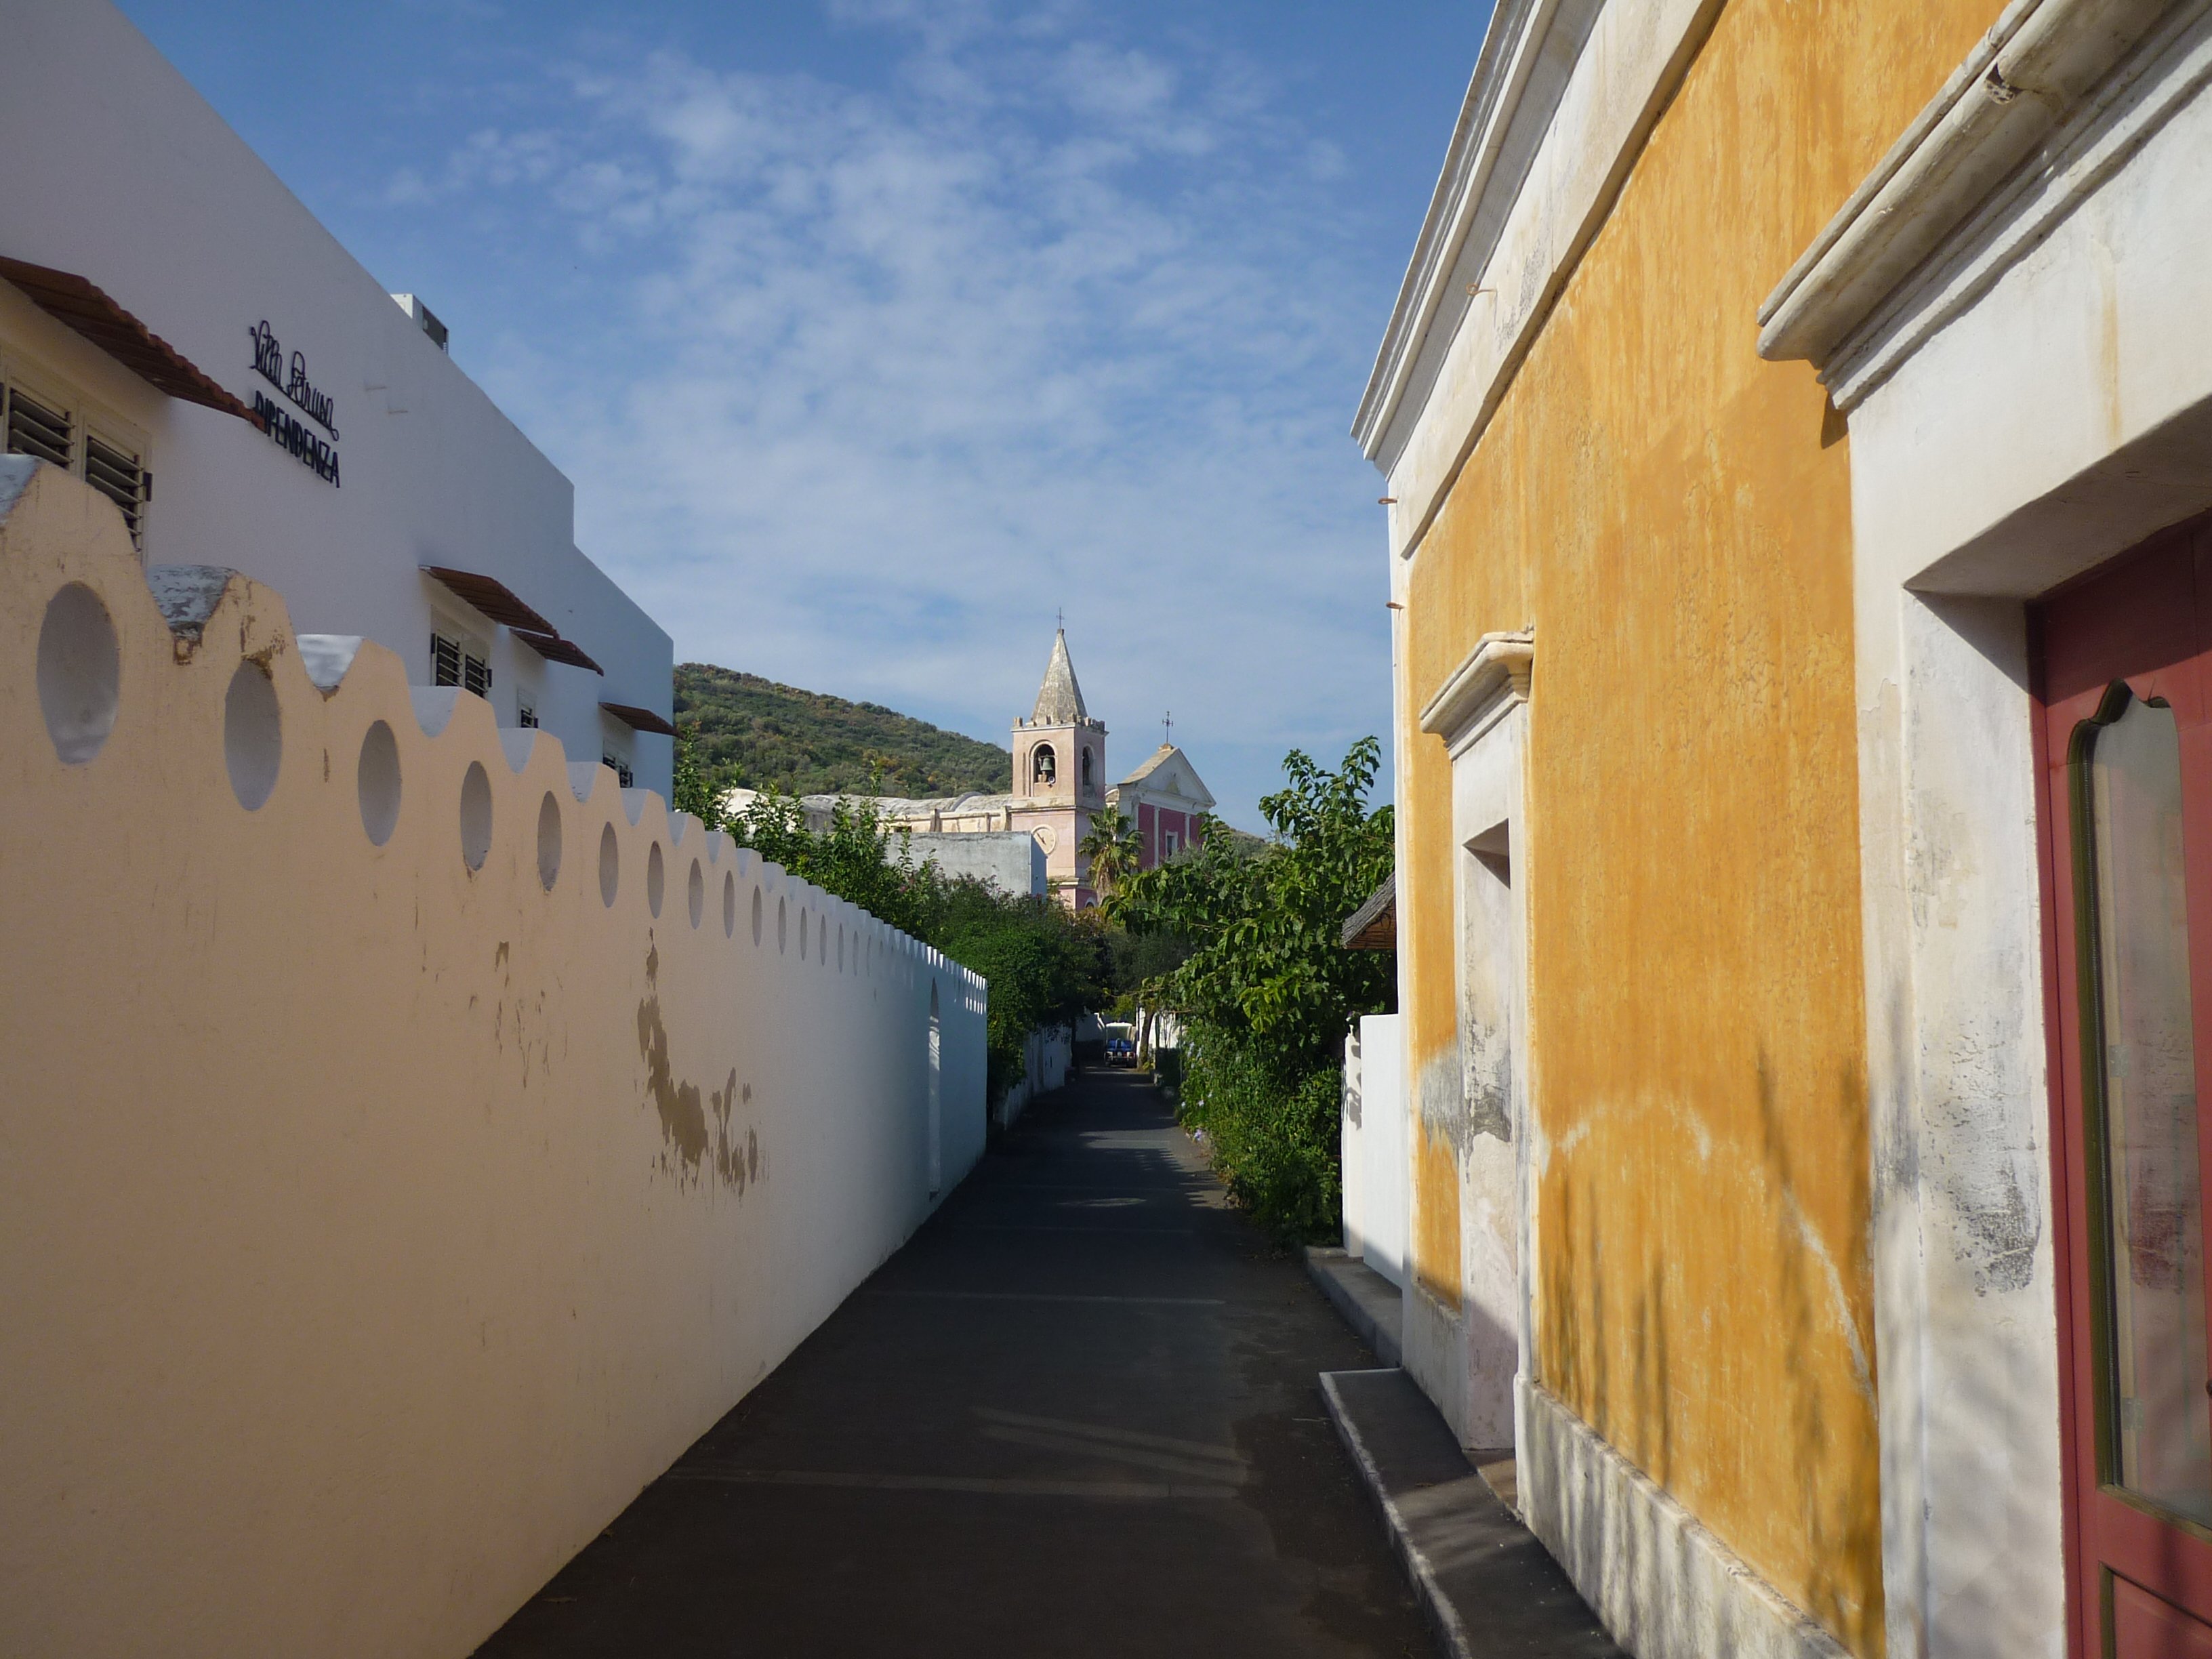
(2123, 688)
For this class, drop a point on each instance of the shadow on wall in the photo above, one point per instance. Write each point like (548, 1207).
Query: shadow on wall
(1827, 1504)
(414, 1141)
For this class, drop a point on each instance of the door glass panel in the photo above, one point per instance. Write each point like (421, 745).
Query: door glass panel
(2154, 1237)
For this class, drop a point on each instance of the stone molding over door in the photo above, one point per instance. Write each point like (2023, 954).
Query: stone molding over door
(1470, 1358)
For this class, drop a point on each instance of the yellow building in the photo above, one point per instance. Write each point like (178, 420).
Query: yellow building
(1761, 370)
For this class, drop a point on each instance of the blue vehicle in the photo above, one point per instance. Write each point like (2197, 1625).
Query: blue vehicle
(1121, 1046)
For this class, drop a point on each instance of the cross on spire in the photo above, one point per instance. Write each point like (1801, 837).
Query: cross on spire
(1059, 619)
(1167, 728)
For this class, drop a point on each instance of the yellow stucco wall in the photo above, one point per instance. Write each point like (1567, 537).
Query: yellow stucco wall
(1672, 513)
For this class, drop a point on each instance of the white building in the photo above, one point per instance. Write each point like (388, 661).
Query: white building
(177, 329)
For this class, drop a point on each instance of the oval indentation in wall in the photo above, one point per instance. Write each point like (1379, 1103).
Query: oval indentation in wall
(79, 674)
(549, 840)
(609, 864)
(253, 735)
(476, 816)
(377, 780)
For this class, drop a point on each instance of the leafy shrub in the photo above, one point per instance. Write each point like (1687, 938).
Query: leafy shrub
(1274, 1134)
(1267, 992)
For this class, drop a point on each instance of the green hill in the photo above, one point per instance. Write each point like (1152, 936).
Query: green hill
(758, 733)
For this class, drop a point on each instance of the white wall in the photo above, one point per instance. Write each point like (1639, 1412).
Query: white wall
(1010, 860)
(372, 1227)
(1374, 1150)
(117, 172)
(2038, 398)
(1046, 1057)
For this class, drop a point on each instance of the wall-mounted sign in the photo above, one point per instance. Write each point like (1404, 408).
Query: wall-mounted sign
(291, 379)
(306, 446)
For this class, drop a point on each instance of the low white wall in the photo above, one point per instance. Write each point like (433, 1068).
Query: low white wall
(1046, 1058)
(373, 1227)
(1010, 860)
(1374, 1145)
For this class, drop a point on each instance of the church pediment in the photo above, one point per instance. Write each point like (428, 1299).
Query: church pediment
(1167, 776)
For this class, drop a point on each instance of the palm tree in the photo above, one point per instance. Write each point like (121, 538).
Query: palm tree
(1113, 848)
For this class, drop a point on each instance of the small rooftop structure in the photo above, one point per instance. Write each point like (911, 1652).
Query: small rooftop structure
(1374, 925)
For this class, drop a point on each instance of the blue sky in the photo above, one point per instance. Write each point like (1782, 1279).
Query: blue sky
(873, 331)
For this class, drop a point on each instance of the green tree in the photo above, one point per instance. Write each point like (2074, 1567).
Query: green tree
(692, 792)
(1115, 849)
(1267, 992)
(1041, 960)
(1044, 963)
(855, 856)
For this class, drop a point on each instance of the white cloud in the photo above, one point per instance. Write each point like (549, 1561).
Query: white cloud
(889, 375)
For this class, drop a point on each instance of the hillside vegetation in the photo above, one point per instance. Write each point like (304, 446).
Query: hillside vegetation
(756, 732)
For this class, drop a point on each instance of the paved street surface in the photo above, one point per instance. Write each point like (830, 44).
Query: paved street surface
(1078, 1414)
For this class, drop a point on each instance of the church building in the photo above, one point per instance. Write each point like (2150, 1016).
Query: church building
(1059, 784)
(1058, 776)
(1166, 800)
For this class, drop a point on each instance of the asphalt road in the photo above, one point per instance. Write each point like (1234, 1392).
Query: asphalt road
(1076, 1415)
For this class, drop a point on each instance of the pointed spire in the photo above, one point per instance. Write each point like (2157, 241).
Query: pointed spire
(1060, 699)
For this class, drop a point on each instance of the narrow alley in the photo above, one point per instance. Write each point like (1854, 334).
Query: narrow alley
(1077, 1414)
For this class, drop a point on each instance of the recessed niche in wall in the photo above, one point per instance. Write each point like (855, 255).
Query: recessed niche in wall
(654, 881)
(695, 891)
(79, 674)
(253, 735)
(609, 864)
(476, 816)
(548, 840)
(729, 904)
(377, 778)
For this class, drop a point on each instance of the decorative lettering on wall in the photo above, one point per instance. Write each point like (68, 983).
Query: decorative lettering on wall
(306, 448)
(290, 378)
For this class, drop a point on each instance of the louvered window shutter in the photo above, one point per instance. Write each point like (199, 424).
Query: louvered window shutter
(116, 474)
(34, 429)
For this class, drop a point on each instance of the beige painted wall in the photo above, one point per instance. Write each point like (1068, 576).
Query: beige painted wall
(371, 1229)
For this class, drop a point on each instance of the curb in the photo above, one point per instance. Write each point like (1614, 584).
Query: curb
(1442, 1619)
(1488, 1587)
(1369, 1303)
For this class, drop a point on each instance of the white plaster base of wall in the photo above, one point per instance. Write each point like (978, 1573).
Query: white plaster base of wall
(1665, 1586)
(1436, 1353)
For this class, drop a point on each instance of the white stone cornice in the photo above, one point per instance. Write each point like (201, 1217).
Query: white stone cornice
(1493, 95)
(1494, 676)
(2020, 94)
(1564, 96)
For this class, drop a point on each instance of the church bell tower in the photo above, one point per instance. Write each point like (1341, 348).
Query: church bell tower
(1060, 765)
